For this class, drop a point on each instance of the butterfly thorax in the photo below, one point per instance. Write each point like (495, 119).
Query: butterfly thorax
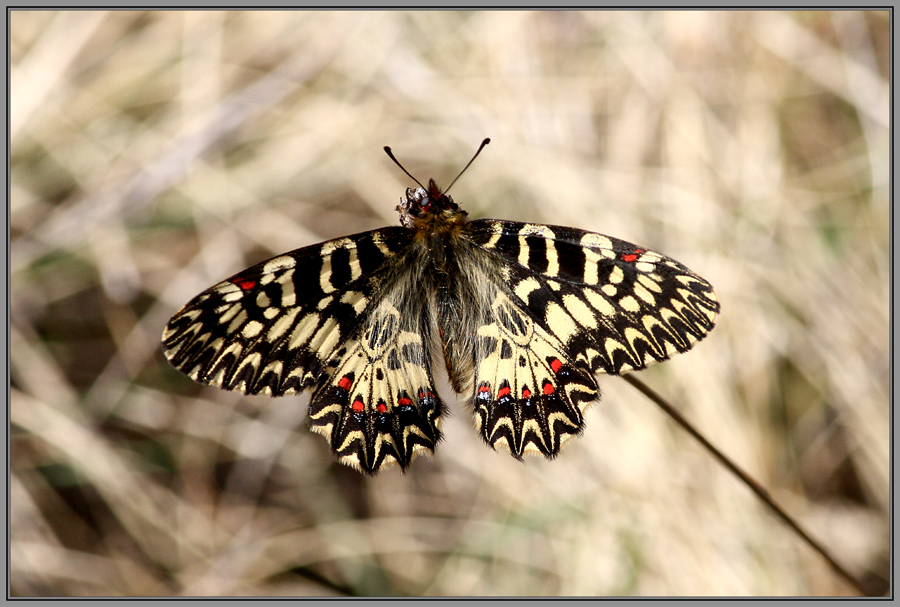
(430, 212)
(439, 249)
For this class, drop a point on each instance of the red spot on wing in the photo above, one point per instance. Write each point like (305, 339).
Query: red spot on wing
(503, 392)
(358, 405)
(403, 402)
(629, 257)
(483, 389)
(555, 364)
(526, 393)
(381, 407)
(345, 383)
(549, 389)
(244, 283)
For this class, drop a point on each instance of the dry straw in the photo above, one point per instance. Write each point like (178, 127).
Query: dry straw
(156, 153)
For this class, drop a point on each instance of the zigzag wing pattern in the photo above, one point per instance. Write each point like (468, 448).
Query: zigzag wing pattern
(565, 305)
(528, 392)
(321, 317)
(380, 406)
(527, 314)
(618, 306)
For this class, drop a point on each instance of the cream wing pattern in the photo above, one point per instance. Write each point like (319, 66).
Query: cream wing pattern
(525, 315)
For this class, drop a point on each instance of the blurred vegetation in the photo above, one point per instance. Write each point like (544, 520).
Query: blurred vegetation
(155, 153)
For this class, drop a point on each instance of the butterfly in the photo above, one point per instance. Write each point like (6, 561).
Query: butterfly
(524, 316)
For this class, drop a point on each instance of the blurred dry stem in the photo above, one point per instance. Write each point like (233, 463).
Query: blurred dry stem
(154, 153)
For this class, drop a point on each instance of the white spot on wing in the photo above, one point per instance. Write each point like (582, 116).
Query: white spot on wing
(580, 311)
(616, 276)
(325, 276)
(325, 302)
(644, 294)
(279, 263)
(355, 299)
(524, 251)
(496, 233)
(611, 346)
(552, 259)
(229, 313)
(333, 245)
(596, 241)
(288, 296)
(536, 229)
(237, 322)
(326, 338)
(560, 322)
(282, 324)
(378, 241)
(600, 303)
(591, 258)
(629, 303)
(524, 288)
(648, 281)
(355, 269)
(252, 328)
(304, 330)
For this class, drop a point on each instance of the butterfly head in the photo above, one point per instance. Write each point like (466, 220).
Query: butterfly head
(429, 210)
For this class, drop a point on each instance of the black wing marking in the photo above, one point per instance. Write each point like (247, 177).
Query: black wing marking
(550, 307)
(325, 317)
(616, 305)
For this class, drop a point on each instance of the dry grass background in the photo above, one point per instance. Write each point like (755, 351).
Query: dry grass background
(154, 153)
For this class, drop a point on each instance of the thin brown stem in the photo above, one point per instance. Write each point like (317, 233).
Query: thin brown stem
(754, 486)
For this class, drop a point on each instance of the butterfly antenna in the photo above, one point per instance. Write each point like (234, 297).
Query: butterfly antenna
(387, 150)
(486, 141)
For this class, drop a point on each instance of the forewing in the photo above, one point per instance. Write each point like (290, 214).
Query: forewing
(615, 305)
(324, 317)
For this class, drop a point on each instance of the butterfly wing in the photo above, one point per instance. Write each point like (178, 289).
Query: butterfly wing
(325, 318)
(562, 305)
